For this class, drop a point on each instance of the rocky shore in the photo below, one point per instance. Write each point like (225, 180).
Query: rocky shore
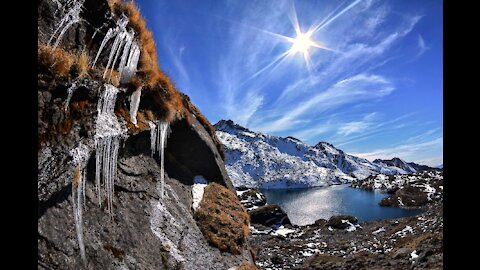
(343, 243)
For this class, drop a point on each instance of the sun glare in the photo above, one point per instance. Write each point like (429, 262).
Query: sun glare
(301, 43)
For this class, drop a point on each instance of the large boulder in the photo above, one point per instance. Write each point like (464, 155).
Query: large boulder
(269, 215)
(341, 221)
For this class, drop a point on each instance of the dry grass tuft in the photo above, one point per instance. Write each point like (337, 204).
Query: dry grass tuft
(222, 219)
(121, 111)
(81, 63)
(58, 61)
(65, 126)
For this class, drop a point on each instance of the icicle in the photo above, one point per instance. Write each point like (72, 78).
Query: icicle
(131, 65)
(163, 143)
(107, 140)
(70, 92)
(153, 137)
(158, 141)
(134, 102)
(77, 210)
(72, 17)
(107, 37)
(80, 156)
(124, 47)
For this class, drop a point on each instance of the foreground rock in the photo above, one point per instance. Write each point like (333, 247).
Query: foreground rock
(405, 243)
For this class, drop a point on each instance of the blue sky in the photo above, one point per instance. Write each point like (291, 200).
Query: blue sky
(374, 88)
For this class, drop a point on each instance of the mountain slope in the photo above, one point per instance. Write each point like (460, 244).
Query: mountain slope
(254, 159)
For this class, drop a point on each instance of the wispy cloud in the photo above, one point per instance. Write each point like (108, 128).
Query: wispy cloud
(175, 54)
(357, 126)
(409, 151)
(422, 47)
(357, 88)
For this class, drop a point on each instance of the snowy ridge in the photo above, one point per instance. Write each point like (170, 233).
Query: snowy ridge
(260, 160)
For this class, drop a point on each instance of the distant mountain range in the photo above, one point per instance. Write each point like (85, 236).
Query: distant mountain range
(254, 159)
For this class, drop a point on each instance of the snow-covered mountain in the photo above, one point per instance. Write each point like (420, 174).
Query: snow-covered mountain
(254, 159)
(400, 165)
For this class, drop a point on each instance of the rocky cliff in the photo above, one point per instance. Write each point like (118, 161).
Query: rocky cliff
(118, 151)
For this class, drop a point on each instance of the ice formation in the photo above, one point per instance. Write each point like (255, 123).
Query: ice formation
(134, 102)
(75, 85)
(80, 156)
(124, 45)
(158, 141)
(107, 138)
(72, 17)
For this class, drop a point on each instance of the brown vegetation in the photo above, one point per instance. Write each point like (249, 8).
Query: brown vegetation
(222, 219)
(58, 61)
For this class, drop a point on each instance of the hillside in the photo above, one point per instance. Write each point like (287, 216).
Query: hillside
(254, 159)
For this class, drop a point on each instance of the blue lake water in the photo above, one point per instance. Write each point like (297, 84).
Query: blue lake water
(304, 206)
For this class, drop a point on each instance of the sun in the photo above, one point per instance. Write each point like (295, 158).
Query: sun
(301, 43)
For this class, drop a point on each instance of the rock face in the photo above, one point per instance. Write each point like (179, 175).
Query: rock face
(146, 230)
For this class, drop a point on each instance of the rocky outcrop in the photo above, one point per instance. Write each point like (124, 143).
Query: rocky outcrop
(269, 215)
(341, 222)
(406, 191)
(147, 229)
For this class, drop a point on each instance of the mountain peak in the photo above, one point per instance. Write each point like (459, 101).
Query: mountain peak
(225, 125)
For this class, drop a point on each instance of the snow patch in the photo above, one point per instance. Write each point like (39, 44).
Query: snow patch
(199, 184)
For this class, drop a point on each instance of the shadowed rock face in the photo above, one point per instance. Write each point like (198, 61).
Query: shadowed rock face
(145, 231)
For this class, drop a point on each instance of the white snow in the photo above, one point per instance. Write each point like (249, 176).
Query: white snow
(351, 227)
(413, 256)
(405, 231)
(283, 231)
(199, 184)
(134, 102)
(240, 192)
(379, 230)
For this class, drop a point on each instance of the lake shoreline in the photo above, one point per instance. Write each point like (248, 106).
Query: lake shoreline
(343, 242)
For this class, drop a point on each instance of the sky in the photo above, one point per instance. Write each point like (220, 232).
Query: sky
(372, 84)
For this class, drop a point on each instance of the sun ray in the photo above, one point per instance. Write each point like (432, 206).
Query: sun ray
(314, 28)
(292, 15)
(337, 15)
(278, 58)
